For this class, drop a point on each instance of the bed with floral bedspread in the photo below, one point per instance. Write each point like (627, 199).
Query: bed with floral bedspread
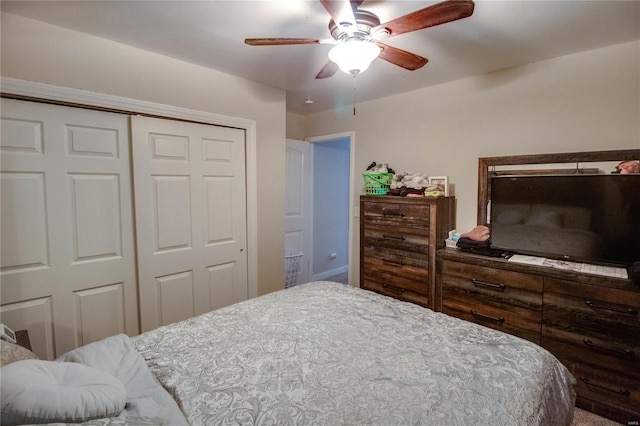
(329, 354)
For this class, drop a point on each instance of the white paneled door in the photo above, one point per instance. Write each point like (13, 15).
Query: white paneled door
(190, 204)
(298, 203)
(67, 258)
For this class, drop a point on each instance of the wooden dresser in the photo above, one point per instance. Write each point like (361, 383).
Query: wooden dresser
(590, 323)
(399, 237)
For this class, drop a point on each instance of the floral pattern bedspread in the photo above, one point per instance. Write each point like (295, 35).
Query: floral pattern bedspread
(328, 354)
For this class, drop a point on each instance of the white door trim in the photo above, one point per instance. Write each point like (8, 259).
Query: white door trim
(352, 202)
(77, 97)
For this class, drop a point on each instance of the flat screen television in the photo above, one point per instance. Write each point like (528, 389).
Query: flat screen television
(590, 218)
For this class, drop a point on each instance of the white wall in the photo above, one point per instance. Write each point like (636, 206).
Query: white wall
(35, 51)
(583, 102)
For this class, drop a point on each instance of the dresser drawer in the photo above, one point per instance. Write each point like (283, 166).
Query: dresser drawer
(592, 324)
(594, 331)
(609, 388)
(606, 392)
(401, 262)
(399, 237)
(391, 214)
(395, 291)
(503, 300)
(408, 274)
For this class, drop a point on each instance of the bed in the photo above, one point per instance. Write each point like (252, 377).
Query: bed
(329, 354)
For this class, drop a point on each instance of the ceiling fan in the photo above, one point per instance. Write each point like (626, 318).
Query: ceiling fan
(357, 34)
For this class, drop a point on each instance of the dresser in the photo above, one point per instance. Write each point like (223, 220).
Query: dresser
(590, 323)
(399, 237)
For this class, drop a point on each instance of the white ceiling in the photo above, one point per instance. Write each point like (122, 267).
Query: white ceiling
(499, 35)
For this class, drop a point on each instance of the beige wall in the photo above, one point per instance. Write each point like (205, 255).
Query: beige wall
(39, 52)
(295, 126)
(583, 102)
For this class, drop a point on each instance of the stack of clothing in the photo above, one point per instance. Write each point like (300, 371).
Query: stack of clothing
(379, 168)
(477, 238)
(410, 184)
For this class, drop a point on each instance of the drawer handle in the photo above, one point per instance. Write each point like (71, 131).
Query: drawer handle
(393, 262)
(393, 213)
(623, 352)
(393, 237)
(486, 317)
(622, 392)
(479, 283)
(393, 289)
(628, 311)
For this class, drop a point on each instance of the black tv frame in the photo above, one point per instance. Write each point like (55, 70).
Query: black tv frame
(572, 160)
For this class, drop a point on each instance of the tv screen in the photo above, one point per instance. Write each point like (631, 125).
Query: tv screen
(584, 218)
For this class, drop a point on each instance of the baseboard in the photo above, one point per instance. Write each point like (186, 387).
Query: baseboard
(323, 275)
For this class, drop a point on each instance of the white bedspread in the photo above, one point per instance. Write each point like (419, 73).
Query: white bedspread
(328, 354)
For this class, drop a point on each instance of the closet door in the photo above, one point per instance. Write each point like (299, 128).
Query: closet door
(190, 203)
(67, 259)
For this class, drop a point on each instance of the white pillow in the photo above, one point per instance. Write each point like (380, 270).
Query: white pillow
(35, 391)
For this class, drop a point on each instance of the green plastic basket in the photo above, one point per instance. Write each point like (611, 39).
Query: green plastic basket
(377, 183)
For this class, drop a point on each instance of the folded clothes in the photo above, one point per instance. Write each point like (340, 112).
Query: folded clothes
(409, 180)
(468, 243)
(409, 192)
(479, 233)
(434, 193)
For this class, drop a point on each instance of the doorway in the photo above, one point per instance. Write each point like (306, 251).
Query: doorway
(330, 224)
(329, 180)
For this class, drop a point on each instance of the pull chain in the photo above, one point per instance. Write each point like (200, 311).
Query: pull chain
(354, 94)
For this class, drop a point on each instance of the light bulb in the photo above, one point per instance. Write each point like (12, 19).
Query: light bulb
(355, 55)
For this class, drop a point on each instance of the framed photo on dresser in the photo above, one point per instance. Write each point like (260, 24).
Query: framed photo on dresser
(441, 181)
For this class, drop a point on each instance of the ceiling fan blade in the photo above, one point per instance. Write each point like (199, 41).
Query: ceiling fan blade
(341, 12)
(431, 16)
(328, 70)
(279, 41)
(401, 58)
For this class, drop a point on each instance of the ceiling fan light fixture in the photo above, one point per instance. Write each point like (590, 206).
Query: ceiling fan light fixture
(354, 55)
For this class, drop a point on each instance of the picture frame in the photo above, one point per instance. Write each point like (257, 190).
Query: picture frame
(441, 181)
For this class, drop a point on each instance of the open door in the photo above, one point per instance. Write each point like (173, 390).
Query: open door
(298, 203)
